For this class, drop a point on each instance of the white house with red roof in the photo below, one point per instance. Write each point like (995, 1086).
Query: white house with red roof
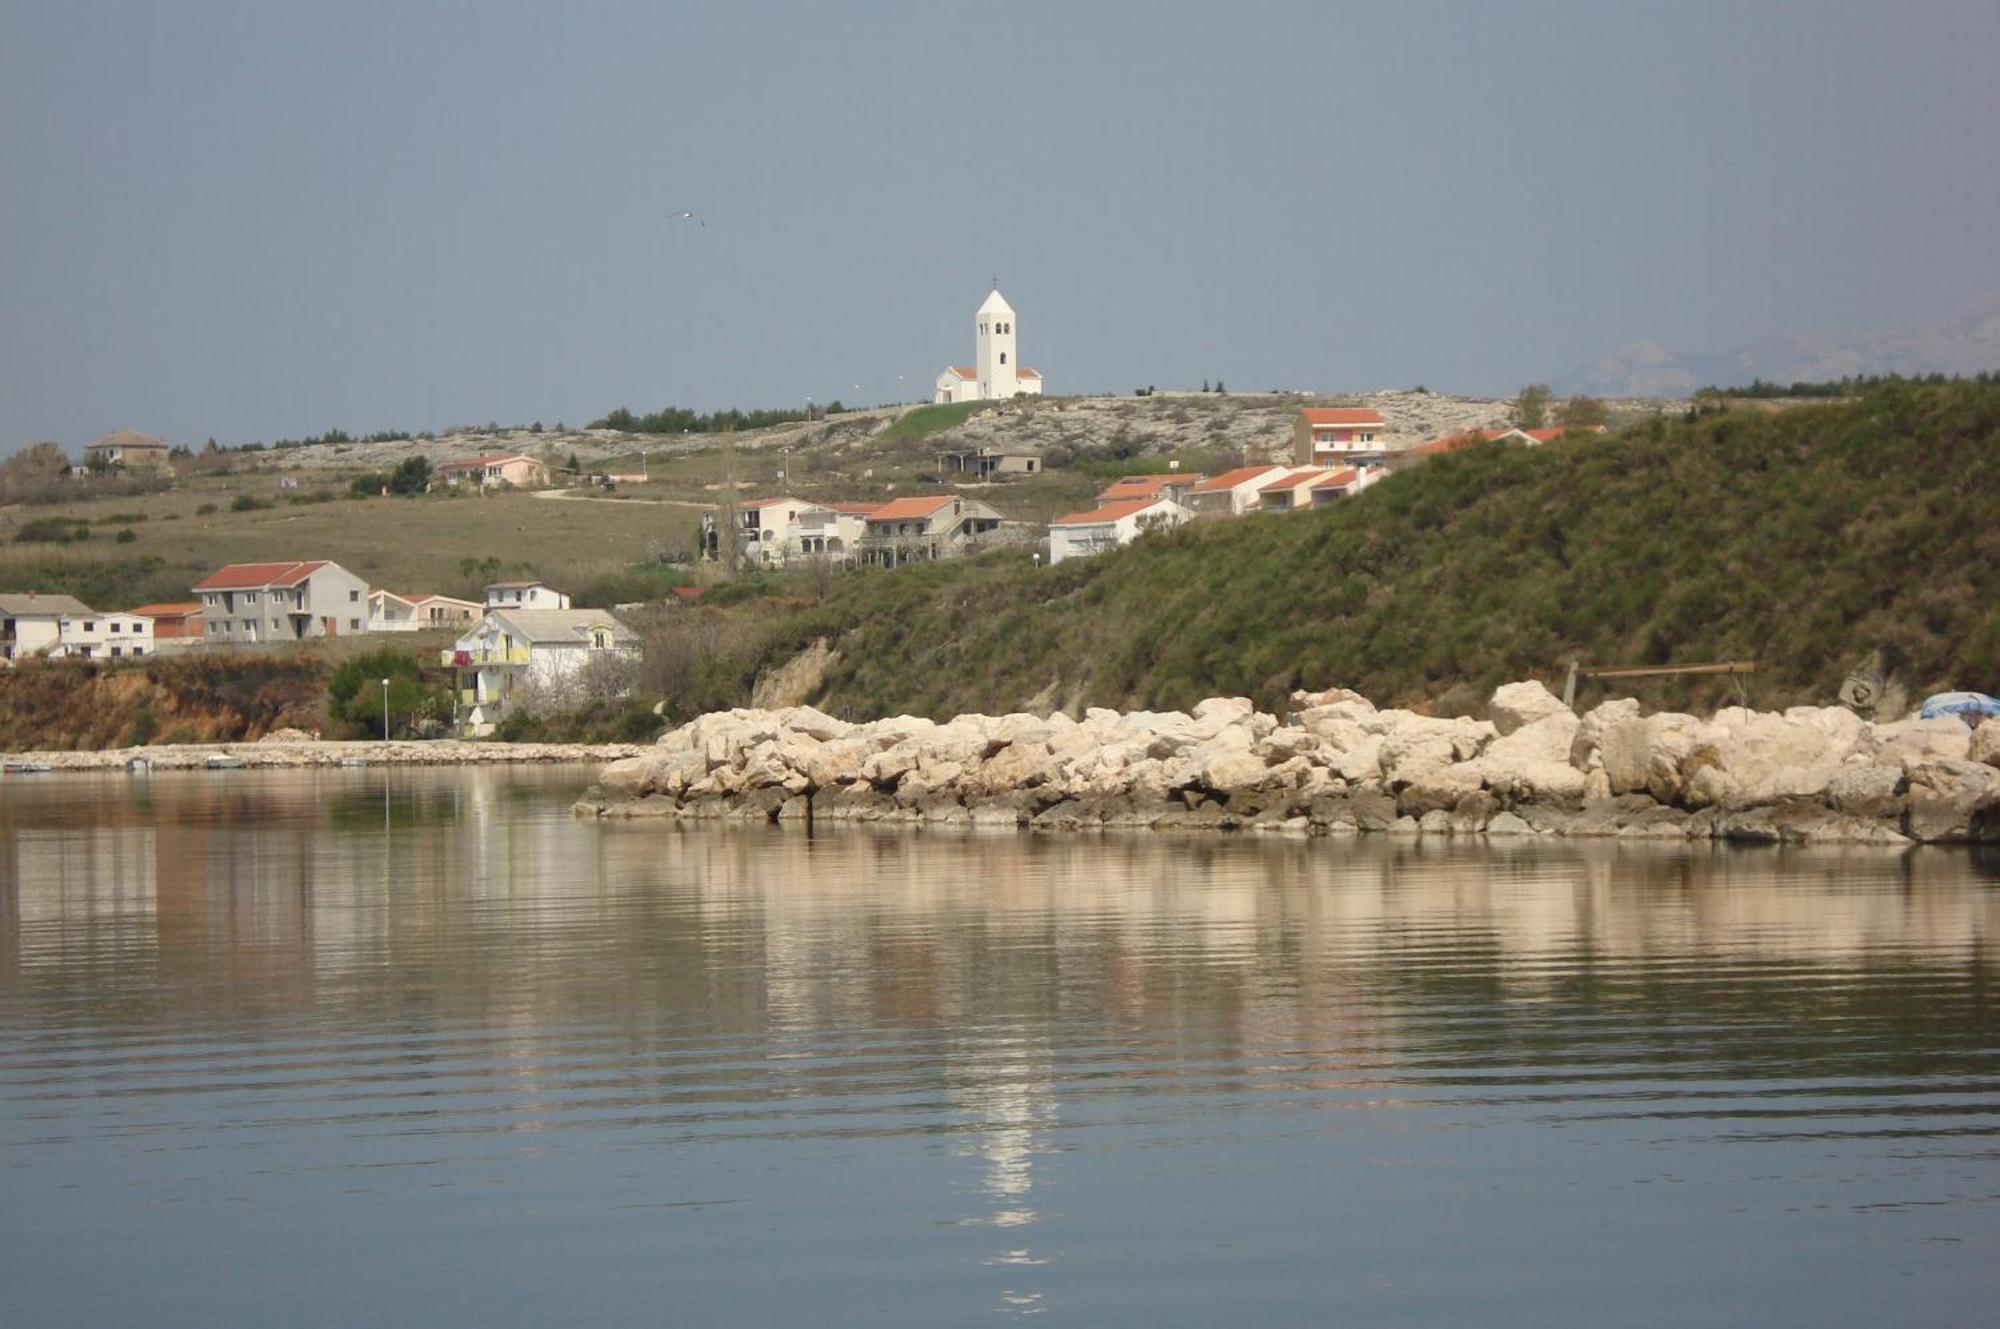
(831, 530)
(996, 372)
(1232, 493)
(515, 469)
(1079, 534)
(1336, 435)
(260, 602)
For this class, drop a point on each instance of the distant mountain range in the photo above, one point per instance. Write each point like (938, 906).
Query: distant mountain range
(1968, 344)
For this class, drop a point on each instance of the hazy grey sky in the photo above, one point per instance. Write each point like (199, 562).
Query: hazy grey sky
(254, 220)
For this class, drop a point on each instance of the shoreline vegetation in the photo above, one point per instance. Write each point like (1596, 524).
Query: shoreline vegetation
(1335, 764)
(289, 753)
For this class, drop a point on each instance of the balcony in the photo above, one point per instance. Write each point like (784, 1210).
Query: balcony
(495, 655)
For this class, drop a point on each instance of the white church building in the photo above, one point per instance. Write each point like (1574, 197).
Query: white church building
(996, 371)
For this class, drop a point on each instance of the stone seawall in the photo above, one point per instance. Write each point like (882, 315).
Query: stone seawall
(1335, 764)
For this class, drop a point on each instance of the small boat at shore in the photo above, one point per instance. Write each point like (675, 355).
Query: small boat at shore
(25, 767)
(224, 761)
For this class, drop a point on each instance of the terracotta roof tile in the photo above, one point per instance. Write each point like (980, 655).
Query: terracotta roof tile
(908, 509)
(1231, 479)
(1341, 415)
(250, 576)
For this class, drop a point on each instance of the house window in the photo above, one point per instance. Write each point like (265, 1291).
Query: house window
(354, 625)
(138, 650)
(353, 596)
(116, 652)
(114, 627)
(1003, 357)
(90, 625)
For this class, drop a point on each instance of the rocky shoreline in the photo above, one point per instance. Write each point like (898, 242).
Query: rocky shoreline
(283, 753)
(1335, 764)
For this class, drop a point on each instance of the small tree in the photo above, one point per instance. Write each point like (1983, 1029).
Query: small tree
(1582, 413)
(411, 476)
(1531, 407)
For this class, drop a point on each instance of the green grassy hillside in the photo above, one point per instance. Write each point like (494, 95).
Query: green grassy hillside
(1800, 540)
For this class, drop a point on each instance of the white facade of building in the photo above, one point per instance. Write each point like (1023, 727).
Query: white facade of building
(110, 636)
(1083, 533)
(536, 650)
(525, 595)
(32, 624)
(996, 372)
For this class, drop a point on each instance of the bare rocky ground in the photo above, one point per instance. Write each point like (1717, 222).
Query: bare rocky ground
(1256, 425)
(1336, 764)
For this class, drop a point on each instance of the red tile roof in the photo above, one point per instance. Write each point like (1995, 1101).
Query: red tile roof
(963, 371)
(172, 609)
(1341, 415)
(687, 592)
(1106, 513)
(1334, 480)
(251, 576)
(1025, 372)
(1290, 478)
(1231, 479)
(908, 509)
(1138, 486)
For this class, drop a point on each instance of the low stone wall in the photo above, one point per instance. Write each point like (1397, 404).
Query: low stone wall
(1338, 765)
(288, 753)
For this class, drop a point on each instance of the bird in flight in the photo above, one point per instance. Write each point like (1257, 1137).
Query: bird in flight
(694, 217)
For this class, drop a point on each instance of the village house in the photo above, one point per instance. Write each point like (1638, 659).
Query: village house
(128, 450)
(524, 595)
(1175, 485)
(1079, 534)
(108, 636)
(913, 529)
(996, 372)
(987, 463)
(262, 602)
(514, 654)
(1337, 436)
(1290, 490)
(32, 624)
(1230, 494)
(444, 611)
(830, 530)
(175, 623)
(514, 469)
(765, 528)
(390, 612)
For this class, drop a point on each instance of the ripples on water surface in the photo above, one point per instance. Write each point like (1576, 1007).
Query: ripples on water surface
(413, 1047)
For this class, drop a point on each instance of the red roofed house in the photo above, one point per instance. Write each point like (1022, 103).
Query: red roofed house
(832, 530)
(766, 528)
(1333, 435)
(1290, 490)
(1175, 485)
(1232, 493)
(937, 526)
(516, 469)
(1079, 534)
(252, 602)
(179, 620)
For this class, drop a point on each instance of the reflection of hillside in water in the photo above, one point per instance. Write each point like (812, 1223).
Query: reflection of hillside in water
(292, 877)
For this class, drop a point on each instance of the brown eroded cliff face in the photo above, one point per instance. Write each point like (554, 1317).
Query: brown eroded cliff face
(83, 704)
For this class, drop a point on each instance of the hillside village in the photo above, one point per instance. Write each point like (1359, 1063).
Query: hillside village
(337, 538)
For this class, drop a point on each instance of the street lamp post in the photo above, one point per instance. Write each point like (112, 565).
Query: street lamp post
(385, 710)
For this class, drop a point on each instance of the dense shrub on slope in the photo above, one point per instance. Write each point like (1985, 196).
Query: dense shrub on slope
(1800, 540)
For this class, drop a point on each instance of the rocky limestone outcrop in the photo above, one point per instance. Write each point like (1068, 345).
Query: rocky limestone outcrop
(1336, 764)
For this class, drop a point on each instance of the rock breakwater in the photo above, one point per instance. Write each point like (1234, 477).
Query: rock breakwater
(1336, 764)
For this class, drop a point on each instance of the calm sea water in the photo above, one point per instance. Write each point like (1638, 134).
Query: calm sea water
(414, 1047)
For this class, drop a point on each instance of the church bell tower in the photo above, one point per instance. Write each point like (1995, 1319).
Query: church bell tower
(994, 347)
